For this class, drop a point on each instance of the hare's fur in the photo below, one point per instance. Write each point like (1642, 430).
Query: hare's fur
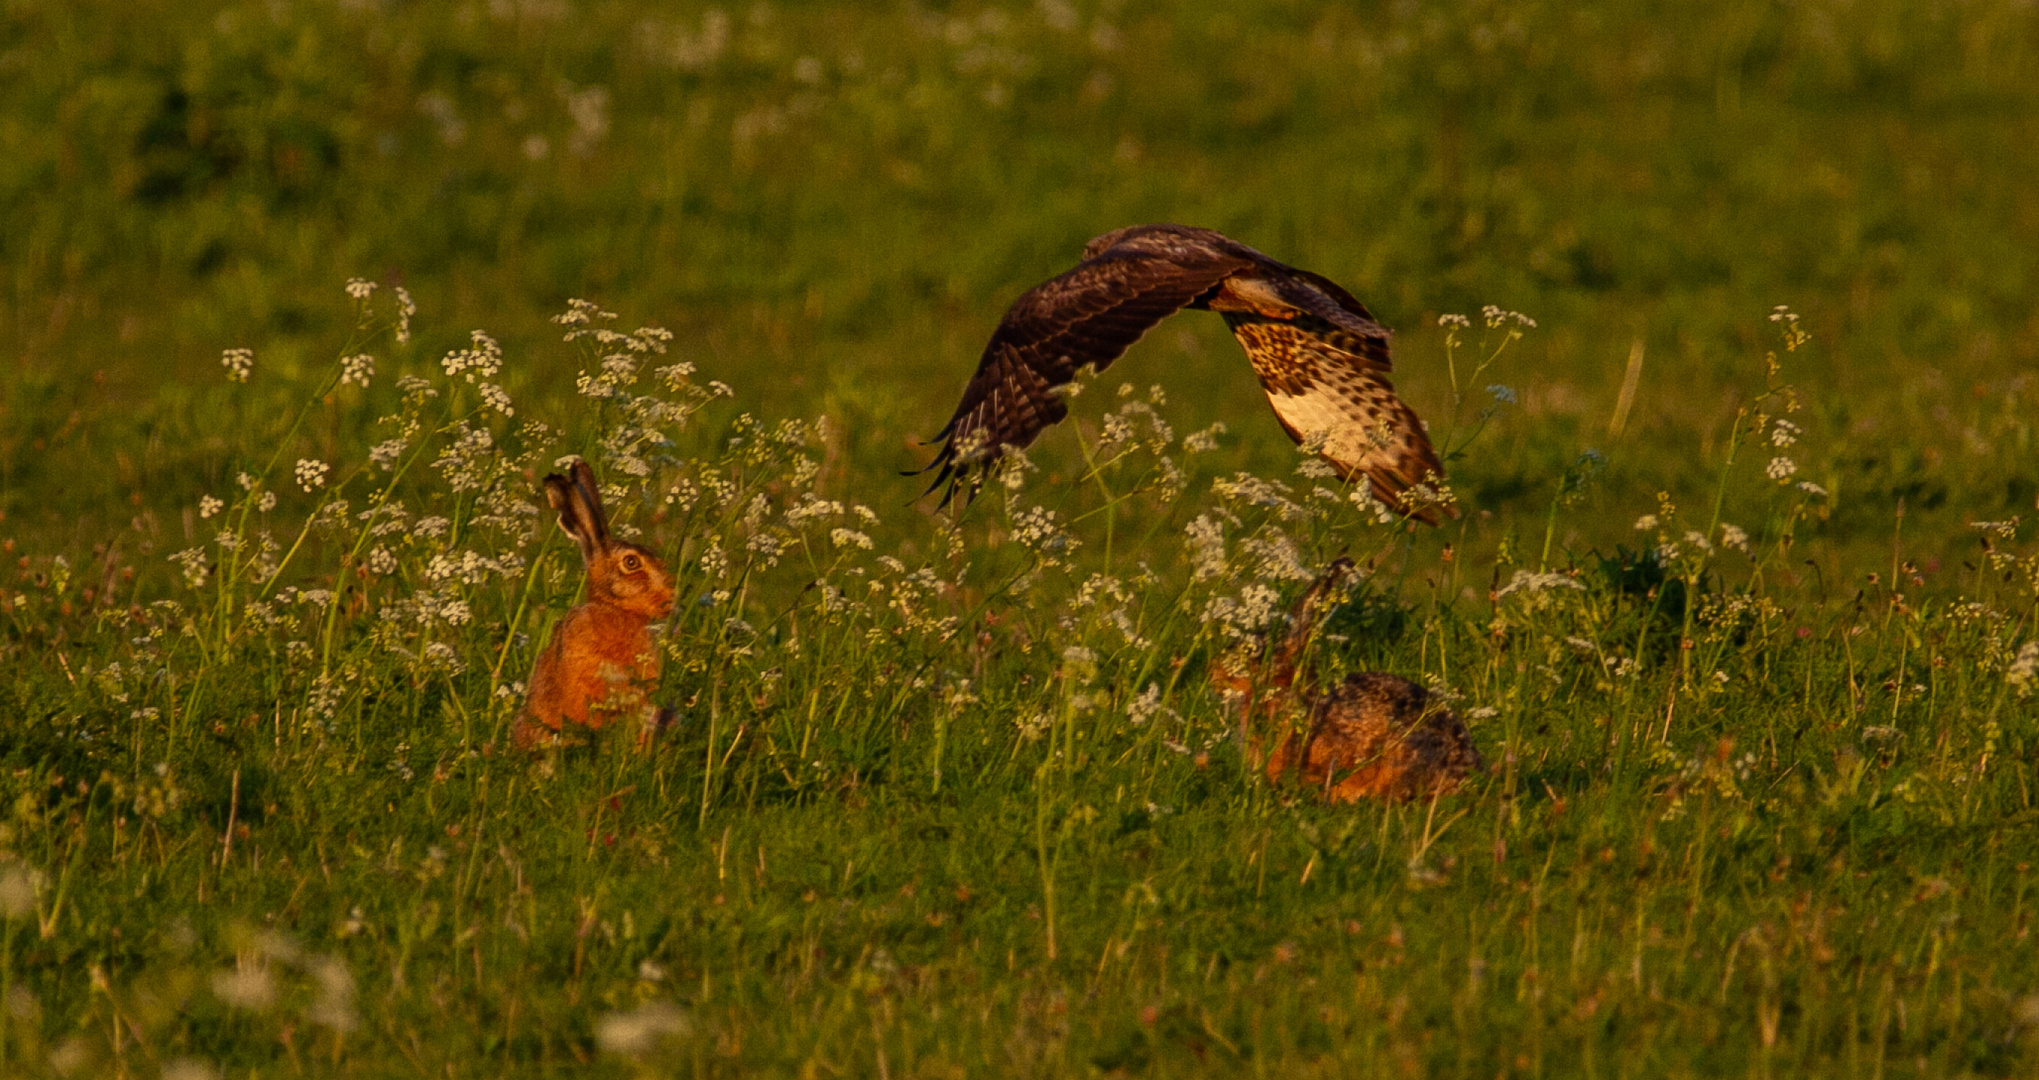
(1375, 735)
(601, 662)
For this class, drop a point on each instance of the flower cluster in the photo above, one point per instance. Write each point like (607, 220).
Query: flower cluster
(312, 474)
(357, 369)
(240, 363)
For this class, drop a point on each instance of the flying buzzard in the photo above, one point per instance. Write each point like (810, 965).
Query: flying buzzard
(1320, 356)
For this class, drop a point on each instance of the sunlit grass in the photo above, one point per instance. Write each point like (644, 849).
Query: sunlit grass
(955, 794)
(1740, 605)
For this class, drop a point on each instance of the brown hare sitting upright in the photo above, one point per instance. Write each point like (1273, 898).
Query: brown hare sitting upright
(1374, 735)
(601, 662)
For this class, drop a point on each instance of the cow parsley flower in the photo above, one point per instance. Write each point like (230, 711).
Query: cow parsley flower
(311, 473)
(405, 308)
(240, 363)
(357, 369)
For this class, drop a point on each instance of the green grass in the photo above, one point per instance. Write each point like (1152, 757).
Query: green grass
(962, 802)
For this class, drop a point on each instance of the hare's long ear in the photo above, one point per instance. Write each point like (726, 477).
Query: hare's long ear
(577, 516)
(1309, 611)
(598, 518)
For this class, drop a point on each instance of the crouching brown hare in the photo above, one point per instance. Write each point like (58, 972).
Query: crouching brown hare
(1375, 735)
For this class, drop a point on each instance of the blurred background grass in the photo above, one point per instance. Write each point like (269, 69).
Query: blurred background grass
(831, 204)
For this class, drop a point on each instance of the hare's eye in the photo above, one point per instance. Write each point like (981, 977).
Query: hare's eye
(630, 562)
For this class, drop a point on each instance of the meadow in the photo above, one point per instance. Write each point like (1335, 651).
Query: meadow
(1724, 318)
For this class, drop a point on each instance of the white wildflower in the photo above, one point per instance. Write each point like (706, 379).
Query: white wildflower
(580, 313)
(357, 369)
(849, 538)
(1780, 469)
(1206, 548)
(1812, 489)
(239, 363)
(497, 398)
(958, 695)
(1734, 537)
(1035, 527)
(1205, 441)
(267, 502)
(766, 546)
(2023, 669)
(1455, 321)
(415, 389)
(1783, 433)
(193, 562)
(483, 359)
(1258, 607)
(405, 308)
(1275, 557)
(311, 473)
(441, 655)
(1013, 469)
(1142, 709)
(385, 453)
(811, 506)
(360, 288)
(714, 561)
(208, 506)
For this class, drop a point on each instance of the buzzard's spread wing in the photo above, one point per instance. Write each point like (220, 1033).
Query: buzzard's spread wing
(1087, 317)
(1327, 383)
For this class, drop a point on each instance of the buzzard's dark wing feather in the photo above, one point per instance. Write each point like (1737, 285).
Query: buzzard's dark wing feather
(1087, 317)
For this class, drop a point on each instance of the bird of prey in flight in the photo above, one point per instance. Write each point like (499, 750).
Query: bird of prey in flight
(1319, 355)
